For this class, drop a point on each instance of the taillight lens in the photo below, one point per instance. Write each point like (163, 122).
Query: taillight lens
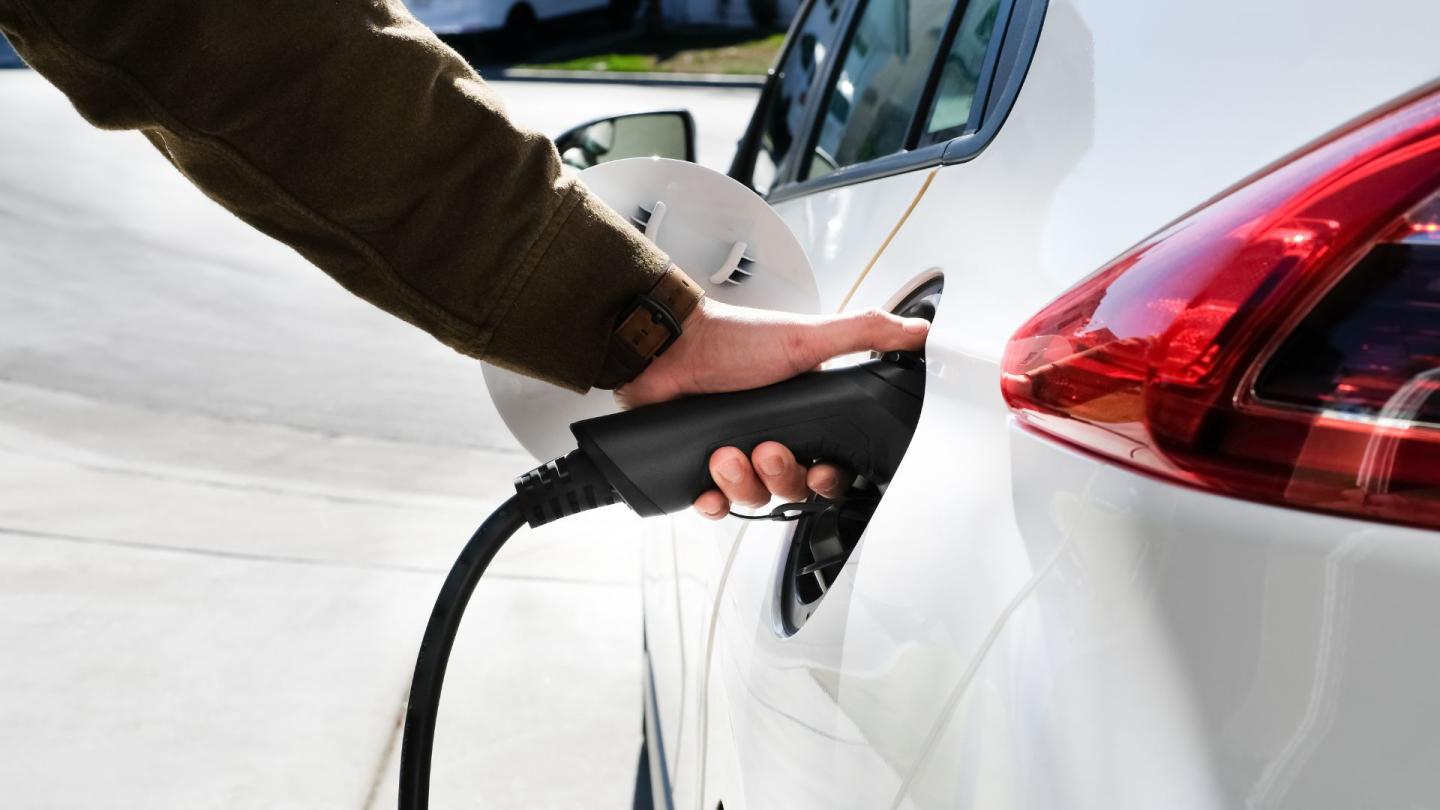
(1281, 343)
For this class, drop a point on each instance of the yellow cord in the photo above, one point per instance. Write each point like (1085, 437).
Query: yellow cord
(883, 245)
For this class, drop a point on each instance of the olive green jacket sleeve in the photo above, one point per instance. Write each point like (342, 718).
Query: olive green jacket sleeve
(345, 129)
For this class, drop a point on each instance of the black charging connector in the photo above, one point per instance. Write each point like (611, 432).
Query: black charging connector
(565, 486)
(656, 460)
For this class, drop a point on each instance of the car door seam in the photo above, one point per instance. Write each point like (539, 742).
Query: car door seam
(703, 745)
(679, 623)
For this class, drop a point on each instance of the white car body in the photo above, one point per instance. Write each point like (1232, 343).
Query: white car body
(1025, 625)
(449, 17)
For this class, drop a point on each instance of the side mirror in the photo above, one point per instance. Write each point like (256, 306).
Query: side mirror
(666, 134)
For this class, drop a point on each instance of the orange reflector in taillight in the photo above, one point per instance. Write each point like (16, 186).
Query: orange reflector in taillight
(1280, 344)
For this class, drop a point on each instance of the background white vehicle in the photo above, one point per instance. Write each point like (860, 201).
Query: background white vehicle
(8, 57)
(515, 18)
(1185, 556)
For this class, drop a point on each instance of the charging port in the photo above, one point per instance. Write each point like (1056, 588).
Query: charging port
(821, 543)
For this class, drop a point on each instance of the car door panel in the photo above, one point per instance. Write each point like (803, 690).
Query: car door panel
(788, 733)
(667, 665)
(843, 229)
(842, 699)
(701, 553)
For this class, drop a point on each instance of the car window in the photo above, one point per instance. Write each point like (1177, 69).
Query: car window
(794, 83)
(960, 71)
(875, 94)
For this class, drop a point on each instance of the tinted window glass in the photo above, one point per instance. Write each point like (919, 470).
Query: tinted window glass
(960, 72)
(794, 83)
(869, 108)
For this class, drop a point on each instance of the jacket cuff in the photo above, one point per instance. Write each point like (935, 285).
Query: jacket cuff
(591, 269)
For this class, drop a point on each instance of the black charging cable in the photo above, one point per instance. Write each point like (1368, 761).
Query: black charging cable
(566, 486)
(423, 708)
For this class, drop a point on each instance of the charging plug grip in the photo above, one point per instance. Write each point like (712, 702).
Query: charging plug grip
(861, 417)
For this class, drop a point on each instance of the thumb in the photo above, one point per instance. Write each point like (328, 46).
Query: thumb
(874, 330)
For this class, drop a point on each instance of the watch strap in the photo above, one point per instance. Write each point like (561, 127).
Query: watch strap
(647, 327)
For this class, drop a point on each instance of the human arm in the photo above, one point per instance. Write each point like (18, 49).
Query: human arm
(350, 133)
(346, 130)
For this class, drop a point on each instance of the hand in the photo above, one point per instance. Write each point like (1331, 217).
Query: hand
(728, 348)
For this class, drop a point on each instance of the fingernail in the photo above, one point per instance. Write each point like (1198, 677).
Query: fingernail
(825, 480)
(772, 465)
(916, 326)
(713, 512)
(731, 470)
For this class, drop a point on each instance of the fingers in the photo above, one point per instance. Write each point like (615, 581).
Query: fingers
(737, 480)
(713, 505)
(779, 471)
(732, 472)
(827, 480)
(771, 468)
(874, 330)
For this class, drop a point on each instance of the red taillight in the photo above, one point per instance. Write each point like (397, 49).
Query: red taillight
(1280, 344)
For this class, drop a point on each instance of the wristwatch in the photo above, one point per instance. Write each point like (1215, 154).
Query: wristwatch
(647, 327)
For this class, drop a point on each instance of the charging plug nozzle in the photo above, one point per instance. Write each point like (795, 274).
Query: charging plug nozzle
(655, 458)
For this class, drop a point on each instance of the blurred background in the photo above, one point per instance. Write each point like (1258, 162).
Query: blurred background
(229, 490)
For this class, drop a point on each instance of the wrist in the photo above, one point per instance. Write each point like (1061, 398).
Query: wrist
(695, 322)
(650, 325)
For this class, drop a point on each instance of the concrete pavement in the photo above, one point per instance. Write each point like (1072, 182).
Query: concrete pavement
(229, 492)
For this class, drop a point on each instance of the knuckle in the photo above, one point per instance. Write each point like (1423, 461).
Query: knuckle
(728, 457)
(771, 460)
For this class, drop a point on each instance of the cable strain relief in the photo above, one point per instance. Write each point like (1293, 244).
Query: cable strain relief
(565, 486)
